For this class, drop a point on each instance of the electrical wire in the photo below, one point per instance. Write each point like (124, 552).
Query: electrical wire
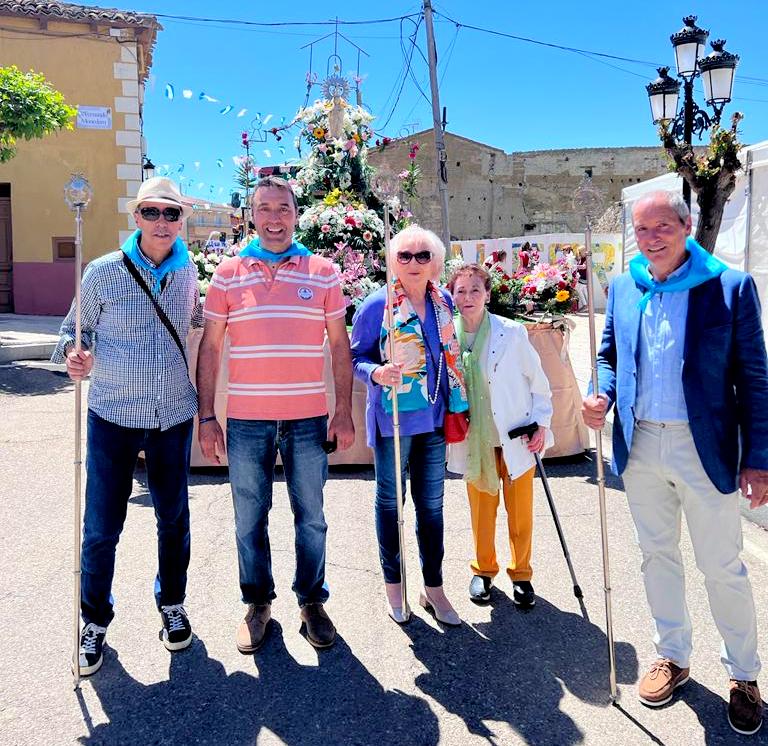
(273, 24)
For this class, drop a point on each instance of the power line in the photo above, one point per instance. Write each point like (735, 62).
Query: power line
(407, 69)
(272, 24)
(750, 80)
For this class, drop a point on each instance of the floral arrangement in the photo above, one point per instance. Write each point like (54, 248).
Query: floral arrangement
(350, 235)
(548, 288)
(206, 261)
(334, 161)
(542, 289)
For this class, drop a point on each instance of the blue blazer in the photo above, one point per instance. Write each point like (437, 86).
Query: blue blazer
(725, 374)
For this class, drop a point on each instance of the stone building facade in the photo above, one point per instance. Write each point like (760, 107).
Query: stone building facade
(493, 194)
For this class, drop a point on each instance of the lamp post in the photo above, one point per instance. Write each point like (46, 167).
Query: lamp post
(77, 195)
(717, 72)
(148, 168)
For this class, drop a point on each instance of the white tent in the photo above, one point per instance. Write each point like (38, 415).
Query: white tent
(743, 239)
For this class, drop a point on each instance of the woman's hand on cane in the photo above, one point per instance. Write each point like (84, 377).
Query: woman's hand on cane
(535, 442)
(390, 374)
(593, 410)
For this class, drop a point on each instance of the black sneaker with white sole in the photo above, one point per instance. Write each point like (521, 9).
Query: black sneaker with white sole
(176, 633)
(522, 594)
(91, 648)
(480, 589)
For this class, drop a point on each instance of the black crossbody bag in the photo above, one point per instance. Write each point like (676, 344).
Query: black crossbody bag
(131, 267)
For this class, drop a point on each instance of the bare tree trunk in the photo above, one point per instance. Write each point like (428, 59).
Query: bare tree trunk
(711, 200)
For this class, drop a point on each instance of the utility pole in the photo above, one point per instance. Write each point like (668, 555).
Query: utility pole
(441, 156)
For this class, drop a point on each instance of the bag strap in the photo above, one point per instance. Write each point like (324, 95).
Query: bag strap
(131, 267)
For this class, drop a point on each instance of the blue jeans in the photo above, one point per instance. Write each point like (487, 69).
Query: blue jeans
(112, 451)
(424, 457)
(252, 447)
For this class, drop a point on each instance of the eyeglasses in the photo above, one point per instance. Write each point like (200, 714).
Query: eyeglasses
(421, 257)
(171, 214)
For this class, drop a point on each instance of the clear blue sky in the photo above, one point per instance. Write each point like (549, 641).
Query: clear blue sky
(511, 94)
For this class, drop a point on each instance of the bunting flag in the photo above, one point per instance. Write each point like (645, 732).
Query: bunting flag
(226, 109)
(197, 165)
(205, 97)
(180, 168)
(186, 93)
(268, 153)
(241, 113)
(266, 119)
(169, 92)
(219, 163)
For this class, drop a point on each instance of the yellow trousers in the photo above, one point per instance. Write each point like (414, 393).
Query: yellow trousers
(518, 500)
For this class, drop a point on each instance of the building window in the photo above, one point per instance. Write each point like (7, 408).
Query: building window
(458, 164)
(63, 248)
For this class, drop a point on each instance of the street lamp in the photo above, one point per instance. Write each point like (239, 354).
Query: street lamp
(717, 71)
(148, 169)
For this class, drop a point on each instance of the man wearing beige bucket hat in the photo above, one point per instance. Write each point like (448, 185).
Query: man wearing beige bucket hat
(137, 305)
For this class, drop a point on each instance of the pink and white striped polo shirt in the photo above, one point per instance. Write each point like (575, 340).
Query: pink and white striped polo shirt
(276, 316)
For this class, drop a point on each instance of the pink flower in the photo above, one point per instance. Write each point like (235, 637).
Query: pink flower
(340, 245)
(358, 222)
(367, 236)
(323, 148)
(325, 228)
(402, 175)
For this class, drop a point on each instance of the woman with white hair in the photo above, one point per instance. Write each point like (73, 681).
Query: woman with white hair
(426, 376)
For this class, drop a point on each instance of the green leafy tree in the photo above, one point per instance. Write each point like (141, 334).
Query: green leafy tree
(712, 176)
(29, 109)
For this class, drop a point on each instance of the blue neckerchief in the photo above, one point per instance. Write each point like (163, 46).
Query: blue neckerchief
(178, 258)
(702, 266)
(256, 250)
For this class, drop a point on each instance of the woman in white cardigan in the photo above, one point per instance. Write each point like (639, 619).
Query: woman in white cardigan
(507, 388)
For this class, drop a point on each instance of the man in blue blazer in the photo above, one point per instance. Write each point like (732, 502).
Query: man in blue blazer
(683, 360)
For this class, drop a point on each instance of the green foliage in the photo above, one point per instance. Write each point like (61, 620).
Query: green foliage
(29, 109)
(245, 177)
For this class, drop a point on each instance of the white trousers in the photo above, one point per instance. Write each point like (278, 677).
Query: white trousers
(664, 476)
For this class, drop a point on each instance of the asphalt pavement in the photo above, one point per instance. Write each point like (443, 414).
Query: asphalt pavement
(503, 677)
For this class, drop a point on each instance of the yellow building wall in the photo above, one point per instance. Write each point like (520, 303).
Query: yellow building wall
(87, 71)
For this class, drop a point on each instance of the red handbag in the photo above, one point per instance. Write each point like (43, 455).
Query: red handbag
(455, 426)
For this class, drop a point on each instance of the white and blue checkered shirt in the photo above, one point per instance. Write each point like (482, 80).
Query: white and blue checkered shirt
(139, 378)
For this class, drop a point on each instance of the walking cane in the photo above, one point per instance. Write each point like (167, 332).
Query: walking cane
(385, 190)
(530, 430)
(77, 195)
(588, 201)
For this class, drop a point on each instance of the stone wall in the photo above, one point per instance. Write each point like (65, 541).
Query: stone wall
(494, 194)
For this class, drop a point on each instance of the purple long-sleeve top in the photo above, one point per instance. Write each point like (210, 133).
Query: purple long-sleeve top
(366, 357)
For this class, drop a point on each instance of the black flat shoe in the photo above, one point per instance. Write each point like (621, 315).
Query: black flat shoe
(522, 594)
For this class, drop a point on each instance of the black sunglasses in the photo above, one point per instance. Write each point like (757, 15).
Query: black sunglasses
(421, 257)
(171, 214)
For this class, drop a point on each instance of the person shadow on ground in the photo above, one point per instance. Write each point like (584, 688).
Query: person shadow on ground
(514, 670)
(336, 702)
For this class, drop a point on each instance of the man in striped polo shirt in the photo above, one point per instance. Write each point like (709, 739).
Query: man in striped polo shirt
(277, 301)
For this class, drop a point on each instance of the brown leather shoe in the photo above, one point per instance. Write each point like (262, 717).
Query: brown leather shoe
(253, 629)
(745, 709)
(657, 685)
(320, 630)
